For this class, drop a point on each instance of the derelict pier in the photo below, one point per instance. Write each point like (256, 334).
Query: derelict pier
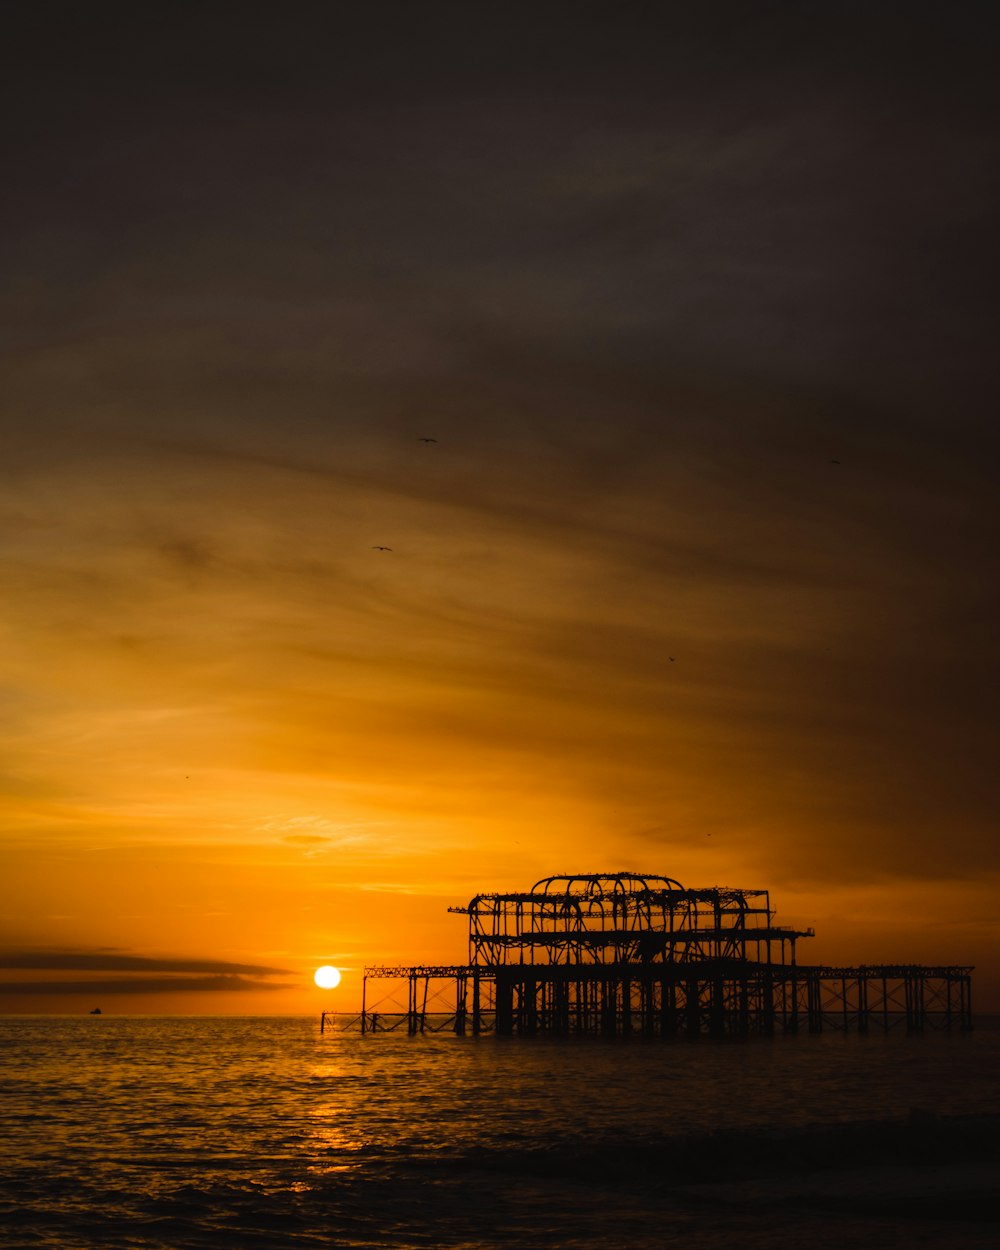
(613, 954)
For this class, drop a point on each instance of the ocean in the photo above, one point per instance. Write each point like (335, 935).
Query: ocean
(164, 1133)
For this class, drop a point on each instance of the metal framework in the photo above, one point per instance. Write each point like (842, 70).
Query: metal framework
(622, 918)
(620, 953)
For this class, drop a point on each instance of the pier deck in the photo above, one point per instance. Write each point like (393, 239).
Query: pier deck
(714, 998)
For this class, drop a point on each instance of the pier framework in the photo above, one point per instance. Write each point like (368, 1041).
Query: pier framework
(623, 953)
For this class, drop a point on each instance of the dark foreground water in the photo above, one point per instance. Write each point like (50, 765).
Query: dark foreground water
(185, 1132)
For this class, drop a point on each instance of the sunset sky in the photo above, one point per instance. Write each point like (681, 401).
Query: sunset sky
(699, 577)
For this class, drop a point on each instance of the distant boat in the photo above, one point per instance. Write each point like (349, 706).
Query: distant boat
(96, 1011)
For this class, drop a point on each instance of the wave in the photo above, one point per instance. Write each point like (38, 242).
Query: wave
(918, 1139)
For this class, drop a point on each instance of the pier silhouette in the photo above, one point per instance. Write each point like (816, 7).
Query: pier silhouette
(613, 954)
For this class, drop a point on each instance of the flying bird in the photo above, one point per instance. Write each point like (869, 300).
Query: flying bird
(377, 548)
(426, 440)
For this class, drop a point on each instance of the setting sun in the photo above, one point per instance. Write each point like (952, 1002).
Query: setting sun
(327, 977)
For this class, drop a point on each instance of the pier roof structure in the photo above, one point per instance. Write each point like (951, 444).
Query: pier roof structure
(624, 917)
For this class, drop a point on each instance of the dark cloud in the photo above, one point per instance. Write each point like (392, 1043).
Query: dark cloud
(163, 975)
(109, 961)
(139, 985)
(749, 195)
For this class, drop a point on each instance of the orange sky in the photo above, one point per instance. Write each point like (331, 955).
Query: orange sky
(707, 372)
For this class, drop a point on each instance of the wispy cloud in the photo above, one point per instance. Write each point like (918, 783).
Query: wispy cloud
(700, 572)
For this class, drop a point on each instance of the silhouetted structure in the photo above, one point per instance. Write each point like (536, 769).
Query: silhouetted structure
(620, 953)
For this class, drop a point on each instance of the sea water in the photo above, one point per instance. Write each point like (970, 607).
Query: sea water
(164, 1133)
